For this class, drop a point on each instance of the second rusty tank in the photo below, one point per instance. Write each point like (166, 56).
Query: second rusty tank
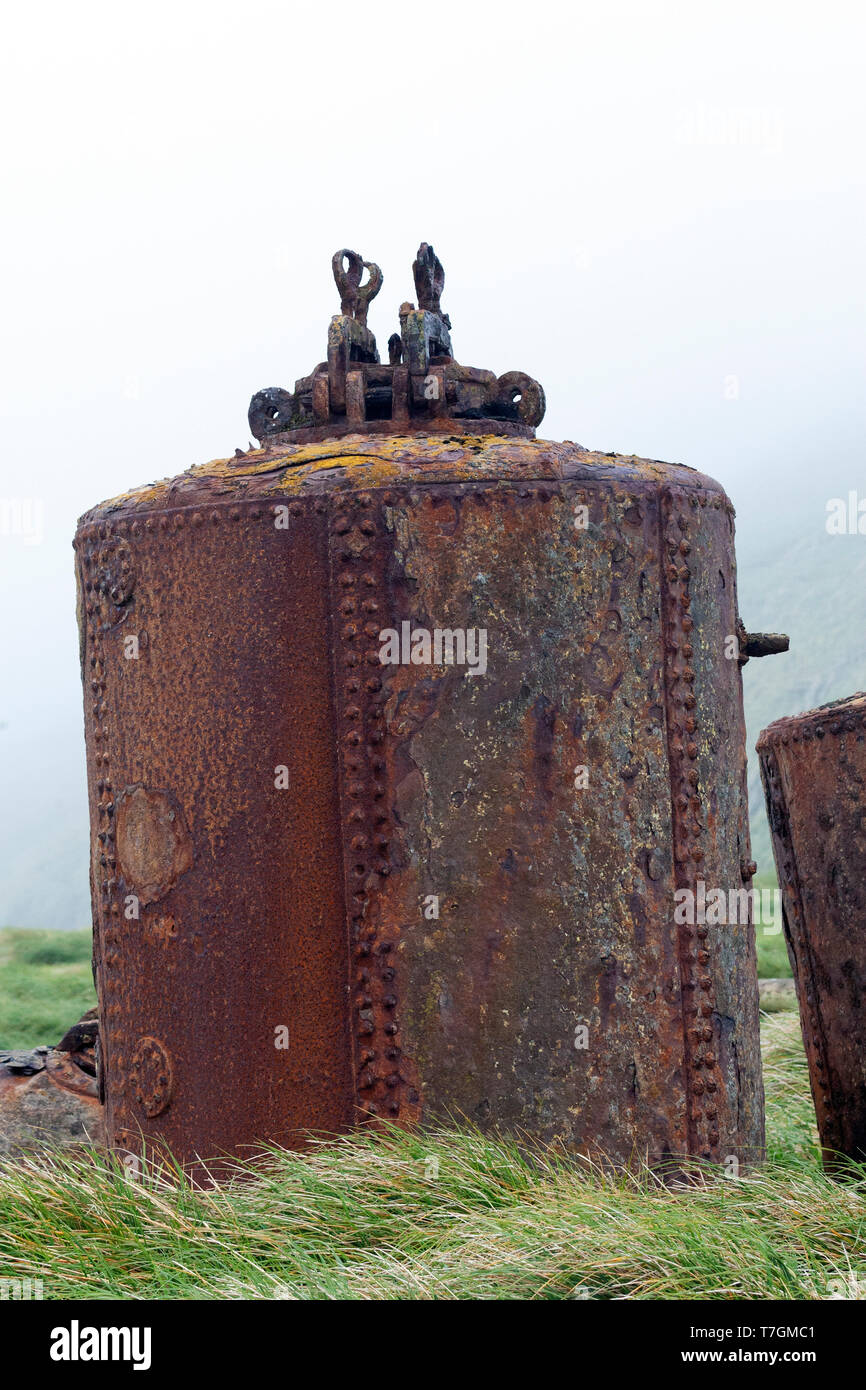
(404, 730)
(813, 767)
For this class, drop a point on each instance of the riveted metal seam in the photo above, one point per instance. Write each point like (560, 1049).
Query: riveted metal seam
(701, 1064)
(97, 611)
(357, 553)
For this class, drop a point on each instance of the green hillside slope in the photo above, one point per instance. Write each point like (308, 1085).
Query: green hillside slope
(796, 578)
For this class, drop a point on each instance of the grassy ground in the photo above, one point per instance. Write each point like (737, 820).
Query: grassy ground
(45, 984)
(447, 1215)
(773, 960)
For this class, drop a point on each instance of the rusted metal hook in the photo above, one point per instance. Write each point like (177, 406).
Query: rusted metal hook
(354, 297)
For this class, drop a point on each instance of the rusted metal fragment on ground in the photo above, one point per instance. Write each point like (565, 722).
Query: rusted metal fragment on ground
(48, 1095)
(813, 767)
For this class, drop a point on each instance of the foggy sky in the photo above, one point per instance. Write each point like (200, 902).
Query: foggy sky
(655, 209)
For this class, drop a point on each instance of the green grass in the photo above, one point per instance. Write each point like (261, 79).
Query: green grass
(773, 963)
(45, 984)
(446, 1215)
(773, 960)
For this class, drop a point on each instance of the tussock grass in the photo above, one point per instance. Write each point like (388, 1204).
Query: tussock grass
(792, 1136)
(45, 984)
(448, 1215)
(773, 962)
(772, 952)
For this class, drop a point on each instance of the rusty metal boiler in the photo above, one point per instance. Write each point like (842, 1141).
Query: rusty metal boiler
(403, 730)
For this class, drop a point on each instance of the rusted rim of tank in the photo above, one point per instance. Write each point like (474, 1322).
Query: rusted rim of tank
(486, 442)
(843, 716)
(316, 434)
(325, 470)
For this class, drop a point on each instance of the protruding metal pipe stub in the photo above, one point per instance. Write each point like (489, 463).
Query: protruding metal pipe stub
(813, 767)
(421, 388)
(759, 644)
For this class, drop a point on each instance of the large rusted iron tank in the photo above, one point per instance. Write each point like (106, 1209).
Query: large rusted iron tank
(403, 729)
(813, 766)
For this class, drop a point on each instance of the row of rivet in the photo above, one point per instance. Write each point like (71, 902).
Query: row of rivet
(361, 694)
(200, 515)
(850, 724)
(99, 603)
(701, 1061)
(266, 508)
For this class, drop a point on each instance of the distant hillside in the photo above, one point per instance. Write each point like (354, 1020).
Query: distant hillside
(795, 578)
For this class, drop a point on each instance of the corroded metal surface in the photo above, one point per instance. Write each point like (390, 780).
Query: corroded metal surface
(421, 387)
(439, 916)
(814, 772)
(707, 768)
(237, 927)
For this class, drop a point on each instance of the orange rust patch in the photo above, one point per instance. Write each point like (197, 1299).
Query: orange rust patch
(153, 843)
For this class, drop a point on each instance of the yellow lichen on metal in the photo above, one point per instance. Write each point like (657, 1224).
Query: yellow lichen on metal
(377, 460)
